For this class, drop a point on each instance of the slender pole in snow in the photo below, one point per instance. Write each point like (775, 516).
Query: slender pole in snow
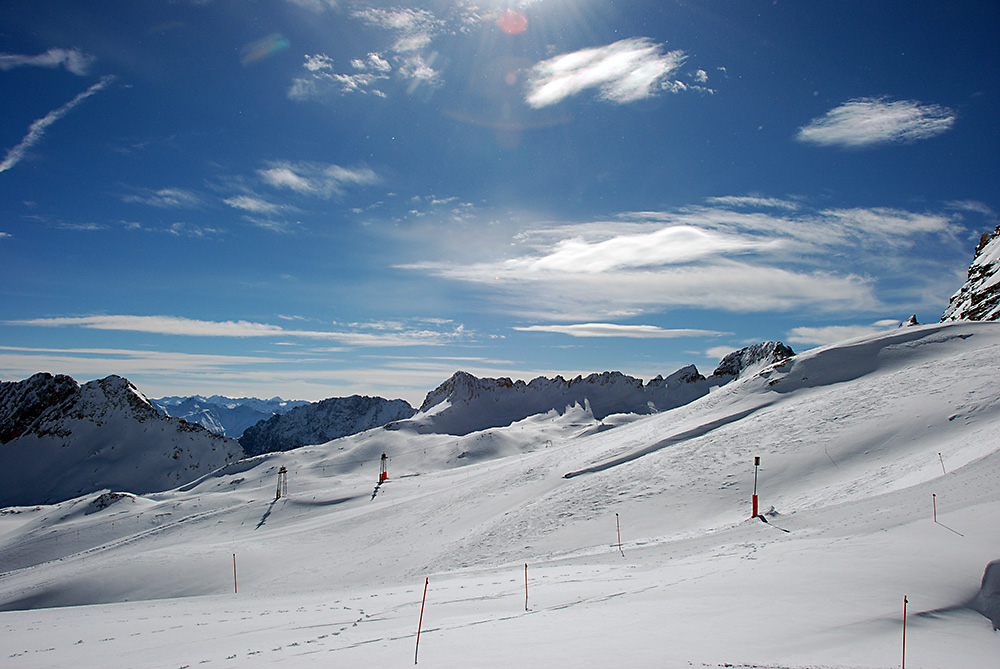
(525, 586)
(421, 622)
(934, 501)
(619, 525)
(756, 464)
(236, 590)
(941, 458)
(904, 632)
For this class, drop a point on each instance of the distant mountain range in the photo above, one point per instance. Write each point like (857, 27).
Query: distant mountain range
(224, 415)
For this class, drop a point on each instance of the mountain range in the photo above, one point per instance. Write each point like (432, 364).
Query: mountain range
(224, 415)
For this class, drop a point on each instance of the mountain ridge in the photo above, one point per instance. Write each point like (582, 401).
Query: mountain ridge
(62, 439)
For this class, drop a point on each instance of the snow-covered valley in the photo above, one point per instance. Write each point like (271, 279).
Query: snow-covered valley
(878, 480)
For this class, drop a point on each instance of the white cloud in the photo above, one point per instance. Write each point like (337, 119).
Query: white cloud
(753, 201)
(359, 336)
(321, 79)
(37, 129)
(628, 70)
(870, 121)
(167, 198)
(734, 259)
(253, 204)
(404, 20)
(372, 62)
(664, 246)
(316, 179)
(615, 330)
(73, 60)
(316, 5)
(409, 58)
(169, 325)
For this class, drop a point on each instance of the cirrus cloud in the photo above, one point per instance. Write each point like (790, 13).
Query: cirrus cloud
(359, 335)
(870, 121)
(729, 258)
(625, 71)
(73, 60)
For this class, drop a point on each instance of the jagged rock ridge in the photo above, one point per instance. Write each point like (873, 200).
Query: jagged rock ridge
(321, 422)
(979, 297)
(61, 440)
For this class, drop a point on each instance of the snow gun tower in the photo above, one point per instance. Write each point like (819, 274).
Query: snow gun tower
(383, 474)
(282, 483)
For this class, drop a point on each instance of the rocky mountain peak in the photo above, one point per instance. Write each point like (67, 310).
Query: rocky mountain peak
(22, 403)
(979, 297)
(757, 355)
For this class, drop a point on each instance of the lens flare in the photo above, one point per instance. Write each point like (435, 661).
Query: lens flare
(262, 48)
(513, 22)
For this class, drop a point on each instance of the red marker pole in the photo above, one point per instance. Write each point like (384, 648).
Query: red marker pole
(421, 622)
(904, 632)
(934, 501)
(756, 464)
(235, 589)
(619, 525)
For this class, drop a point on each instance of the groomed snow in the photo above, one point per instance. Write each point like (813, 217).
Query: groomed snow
(857, 442)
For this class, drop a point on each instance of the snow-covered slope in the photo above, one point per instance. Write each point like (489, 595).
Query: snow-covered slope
(60, 440)
(320, 422)
(880, 459)
(224, 415)
(979, 297)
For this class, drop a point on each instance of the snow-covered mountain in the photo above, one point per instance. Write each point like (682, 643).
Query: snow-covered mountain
(879, 462)
(59, 439)
(979, 297)
(464, 403)
(224, 415)
(320, 422)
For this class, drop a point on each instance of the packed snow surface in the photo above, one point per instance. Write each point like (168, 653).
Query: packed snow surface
(562, 540)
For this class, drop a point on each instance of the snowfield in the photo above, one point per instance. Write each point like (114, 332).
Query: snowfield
(860, 445)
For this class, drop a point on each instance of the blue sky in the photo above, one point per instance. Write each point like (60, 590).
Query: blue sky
(316, 198)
